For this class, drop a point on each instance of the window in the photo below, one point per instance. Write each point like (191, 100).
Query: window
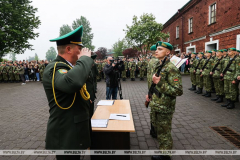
(212, 13)
(177, 32)
(190, 25)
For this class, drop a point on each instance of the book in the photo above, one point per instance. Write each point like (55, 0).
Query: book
(177, 61)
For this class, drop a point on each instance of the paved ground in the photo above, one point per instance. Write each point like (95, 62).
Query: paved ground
(24, 115)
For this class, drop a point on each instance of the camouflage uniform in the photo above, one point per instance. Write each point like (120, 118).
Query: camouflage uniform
(1, 76)
(41, 70)
(10, 73)
(199, 79)
(207, 82)
(193, 63)
(5, 73)
(163, 108)
(142, 67)
(103, 65)
(218, 83)
(99, 68)
(132, 68)
(150, 73)
(124, 72)
(16, 73)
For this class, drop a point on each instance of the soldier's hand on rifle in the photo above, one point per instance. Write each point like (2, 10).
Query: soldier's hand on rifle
(211, 73)
(201, 75)
(155, 79)
(221, 75)
(200, 70)
(147, 99)
(233, 82)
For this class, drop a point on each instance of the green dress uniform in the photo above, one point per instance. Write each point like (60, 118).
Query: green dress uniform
(68, 125)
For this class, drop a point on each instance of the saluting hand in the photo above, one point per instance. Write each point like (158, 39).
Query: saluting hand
(85, 52)
(156, 79)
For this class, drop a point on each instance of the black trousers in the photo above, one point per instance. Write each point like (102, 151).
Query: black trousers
(68, 157)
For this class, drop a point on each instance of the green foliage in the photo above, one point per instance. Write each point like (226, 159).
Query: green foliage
(144, 32)
(36, 57)
(65, 29)
(17, 24)
(87, 35)
(119, 47)
(12, 56)
(51, 54)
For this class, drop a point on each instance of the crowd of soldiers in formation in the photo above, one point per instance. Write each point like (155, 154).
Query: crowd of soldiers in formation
(133, 67)
(22, 71)
(217, 71)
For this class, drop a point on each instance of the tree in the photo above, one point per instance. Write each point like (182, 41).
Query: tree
(31, 58)
(99, 55)
(130, 52)
(51, 54)
(36, 57)
(119, 46)
(144, 32)
(103, 51)
(87, 35)
(65, 29)
(12, 56)
(17, 24)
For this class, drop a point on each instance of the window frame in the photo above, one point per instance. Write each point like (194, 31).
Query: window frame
(177, 32)
(190, 25)
(213, 13)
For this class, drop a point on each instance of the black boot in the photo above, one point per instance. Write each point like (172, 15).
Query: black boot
(225, 105)
(220, 99)
(196, 90)
(208, 94)
(133, 79)
(124, 79)
(160, 157)
(214, 99)
(153, 132)
(190, 88)
(213, 90)
(205, 94)
(231, 105)
(199, 91)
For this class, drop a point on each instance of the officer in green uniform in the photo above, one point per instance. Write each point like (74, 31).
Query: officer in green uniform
(193, 64)
(132, 69)
(169, 85)
(64, 81)
(205, 73)
(230, 78)
(218, 83)
(199, 78)
(150, 71)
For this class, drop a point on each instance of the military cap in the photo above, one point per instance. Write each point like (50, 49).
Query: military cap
(220, 50)
(238, 51)
(153, 48)
(194, 53)
(214, 50)
(224, 50)
(200, 53)
(209, 52)
(165, 45)
(232, 49)
(74, 37)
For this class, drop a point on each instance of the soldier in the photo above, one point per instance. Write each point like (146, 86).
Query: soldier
(218, 84)
(10, 73)
(151, 65)
(103, 65)
(142, 67)
(124, 72)
(64, 83)
(205, 73)
(193, 64)
(5, 73)
(199, 79)
(169, 85)
(132, 69)
(16, 73)
(230, 73)
(1, 67)
(41, 69)
(21, 73)
(99, 67)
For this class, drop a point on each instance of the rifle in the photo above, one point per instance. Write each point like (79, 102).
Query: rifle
(152, 89)
(216, 65)
(198, 65)
(205, 64)
(228, 65)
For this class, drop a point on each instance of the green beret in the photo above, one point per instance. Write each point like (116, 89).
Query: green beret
(224, 50)
(209, 52)
(238, 51)
(165, 45)
(194, 53)
(201, 53)
(74, 37)
(153, 48)
(214, 50)
(220, 51)
(232, 49)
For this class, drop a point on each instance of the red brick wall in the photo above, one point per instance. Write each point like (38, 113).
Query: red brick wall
(228, 15)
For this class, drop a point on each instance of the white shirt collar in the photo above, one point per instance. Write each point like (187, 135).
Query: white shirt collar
(70, 63)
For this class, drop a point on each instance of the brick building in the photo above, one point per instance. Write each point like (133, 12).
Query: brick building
(202, 25)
